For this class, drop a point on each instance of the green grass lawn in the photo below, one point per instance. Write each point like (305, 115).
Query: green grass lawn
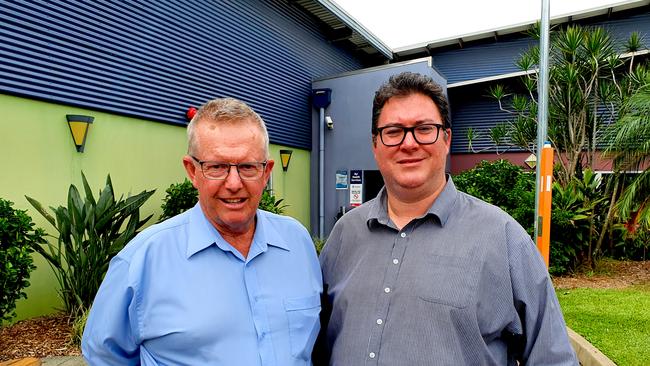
(616, 321)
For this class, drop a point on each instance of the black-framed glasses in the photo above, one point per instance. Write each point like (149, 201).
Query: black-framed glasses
(424, 134)
(252, 170)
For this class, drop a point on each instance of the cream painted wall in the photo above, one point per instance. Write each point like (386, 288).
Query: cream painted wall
(38, 158)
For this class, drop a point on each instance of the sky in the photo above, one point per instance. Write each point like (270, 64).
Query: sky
(401, 23)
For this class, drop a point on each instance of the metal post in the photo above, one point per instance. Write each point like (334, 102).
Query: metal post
(542, 113)
(321, 172)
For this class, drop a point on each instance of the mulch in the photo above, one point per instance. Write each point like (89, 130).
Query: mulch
(50, 335)
(37, 337)
(610, 274)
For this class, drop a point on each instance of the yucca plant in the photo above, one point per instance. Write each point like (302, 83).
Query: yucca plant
(588, 85)
(90, 233)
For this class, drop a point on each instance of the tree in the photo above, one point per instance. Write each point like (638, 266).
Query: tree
(588, 83)
(630, 149)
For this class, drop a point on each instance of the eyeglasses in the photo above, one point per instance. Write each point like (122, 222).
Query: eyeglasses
(219, 171)
(424, 134)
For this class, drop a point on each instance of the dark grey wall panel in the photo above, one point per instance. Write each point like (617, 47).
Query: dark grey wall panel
(154, 59)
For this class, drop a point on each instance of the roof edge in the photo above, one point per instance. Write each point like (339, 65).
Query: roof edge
(518, 27)
(356, 26)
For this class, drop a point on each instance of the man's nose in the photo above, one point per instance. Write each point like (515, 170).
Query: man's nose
(409, 140)
(233, 180)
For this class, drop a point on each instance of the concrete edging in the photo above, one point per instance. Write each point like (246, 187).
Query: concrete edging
(588, 355)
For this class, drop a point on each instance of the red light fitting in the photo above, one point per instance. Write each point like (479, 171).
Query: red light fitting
(191, 112)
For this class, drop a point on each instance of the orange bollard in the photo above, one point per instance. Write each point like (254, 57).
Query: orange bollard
(545, 195)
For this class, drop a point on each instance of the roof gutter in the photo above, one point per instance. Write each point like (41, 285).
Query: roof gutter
(356, 26)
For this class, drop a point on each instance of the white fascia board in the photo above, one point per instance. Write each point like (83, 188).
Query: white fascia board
(355, 25)
(492, 78)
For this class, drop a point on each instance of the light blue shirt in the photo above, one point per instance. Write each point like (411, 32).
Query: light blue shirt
(179, 294)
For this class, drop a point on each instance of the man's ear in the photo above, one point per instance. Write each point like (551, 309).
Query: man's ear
(268, 170)
(447, 137)
(191, 169)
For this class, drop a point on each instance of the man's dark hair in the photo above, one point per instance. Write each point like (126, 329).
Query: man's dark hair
(405, 84)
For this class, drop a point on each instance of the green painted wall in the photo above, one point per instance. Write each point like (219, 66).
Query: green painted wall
(38, 158)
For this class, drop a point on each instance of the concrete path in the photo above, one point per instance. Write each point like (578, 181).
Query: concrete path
(64, 361)
(588, 355)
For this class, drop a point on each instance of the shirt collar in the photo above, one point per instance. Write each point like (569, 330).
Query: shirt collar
(441, 207)
(266, 233)
(203, 234)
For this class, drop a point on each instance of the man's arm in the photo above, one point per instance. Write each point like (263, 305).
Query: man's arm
(321, 353)
(545, 337)
(109, 337)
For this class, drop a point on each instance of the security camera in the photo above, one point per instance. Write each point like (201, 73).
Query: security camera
(329, 122)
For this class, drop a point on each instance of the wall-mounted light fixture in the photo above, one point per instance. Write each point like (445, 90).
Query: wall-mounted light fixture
(285, 157)
(531, 161)
(79, 128)
(190, 113)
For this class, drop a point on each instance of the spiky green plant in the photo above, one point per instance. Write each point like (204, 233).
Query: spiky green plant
(630, 148)
(90, 233)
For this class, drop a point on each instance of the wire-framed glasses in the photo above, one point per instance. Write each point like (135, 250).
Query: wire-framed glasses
(424, 134)
(216, 170)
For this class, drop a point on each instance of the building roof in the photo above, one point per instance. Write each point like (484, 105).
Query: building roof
(418, 49)
(341, 27)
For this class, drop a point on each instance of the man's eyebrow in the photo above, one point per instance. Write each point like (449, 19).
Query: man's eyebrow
(417, 123)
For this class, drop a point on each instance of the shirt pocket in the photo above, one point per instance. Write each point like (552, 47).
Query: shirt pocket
(304, 324)
(447, 280)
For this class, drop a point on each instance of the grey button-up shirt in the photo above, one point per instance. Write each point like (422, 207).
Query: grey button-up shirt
(462, 285)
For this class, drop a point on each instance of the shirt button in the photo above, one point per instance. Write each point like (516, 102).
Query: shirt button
(387, 290)
(395, 261)
(372, 355)
(380, 322)
(403, 235)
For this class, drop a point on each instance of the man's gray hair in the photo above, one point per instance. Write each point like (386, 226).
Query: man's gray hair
(225, 110)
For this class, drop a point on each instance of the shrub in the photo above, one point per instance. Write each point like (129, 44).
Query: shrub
(17, 236)
(181, 197)
(502, 184)
(319, 243)
(269, 203)
(91, 232)
(575, 218)
(487, 181)
(78, 326)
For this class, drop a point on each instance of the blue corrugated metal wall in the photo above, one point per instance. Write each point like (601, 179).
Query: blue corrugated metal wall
(471, 108)
(476, 62)
(153, 59)
(498, 58)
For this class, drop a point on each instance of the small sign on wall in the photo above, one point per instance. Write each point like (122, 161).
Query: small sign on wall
(356, 194)
(356, 188)
(356, 177)
(341, 179)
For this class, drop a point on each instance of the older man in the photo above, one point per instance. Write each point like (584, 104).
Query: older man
(426, 275)
(221, 284)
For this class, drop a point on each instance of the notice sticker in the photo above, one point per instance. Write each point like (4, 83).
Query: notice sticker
(341, 179)
(356, 194)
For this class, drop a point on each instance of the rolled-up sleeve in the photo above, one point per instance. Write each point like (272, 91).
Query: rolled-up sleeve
(110, 336)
